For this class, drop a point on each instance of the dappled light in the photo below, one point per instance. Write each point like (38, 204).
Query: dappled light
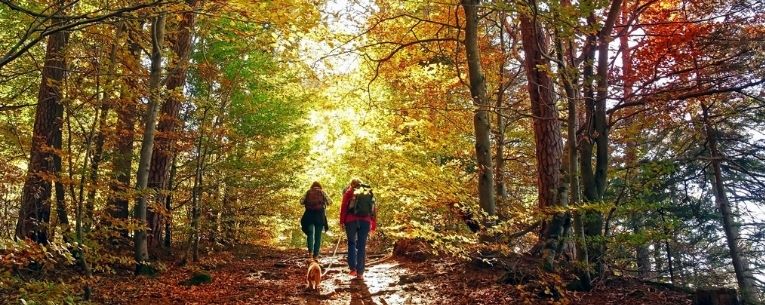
(382, 152)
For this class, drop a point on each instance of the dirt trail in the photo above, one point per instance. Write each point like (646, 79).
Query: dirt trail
(268, 276)
(262, 275)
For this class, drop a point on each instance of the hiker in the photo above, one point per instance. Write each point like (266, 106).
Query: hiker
(357, 217)
(314, 218)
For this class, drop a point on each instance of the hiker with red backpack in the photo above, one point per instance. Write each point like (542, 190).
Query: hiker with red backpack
(357, 217)
(314, 218)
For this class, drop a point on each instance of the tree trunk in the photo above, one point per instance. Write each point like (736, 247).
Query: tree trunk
(103, 114)
(594, 180)
(227, 217)
(500, 106)
(122, 158)
(731, 227)
(169, 204)
(658, 260)
(569, 76)
(106, 102)
(193, 243)
(642, 254)
(481, 117)
(169, 124)
(142, 177)
(34, 213)
(547, 133)
(643, 260)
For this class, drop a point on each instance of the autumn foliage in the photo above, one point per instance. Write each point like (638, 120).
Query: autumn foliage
(567, 152)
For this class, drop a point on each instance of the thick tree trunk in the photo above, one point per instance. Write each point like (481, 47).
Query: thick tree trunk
(547, 134)
(34, 213)
(731, 227)
(142, 177)
(481, 117)
(169, 124)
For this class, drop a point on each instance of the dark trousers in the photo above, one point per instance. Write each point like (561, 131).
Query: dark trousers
(314, 239)
(357, 233)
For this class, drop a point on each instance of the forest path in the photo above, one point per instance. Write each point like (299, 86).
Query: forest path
(260, 275)
(275, 276)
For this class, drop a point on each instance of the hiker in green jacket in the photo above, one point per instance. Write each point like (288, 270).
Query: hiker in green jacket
(314, 218)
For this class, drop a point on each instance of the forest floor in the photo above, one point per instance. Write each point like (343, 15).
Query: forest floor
(266, 275)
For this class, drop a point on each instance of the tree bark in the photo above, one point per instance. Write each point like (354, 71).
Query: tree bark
(34, 214)
(547, 135)
(106, 105)
(596, 134)
(122, 159)
(228, 208)
(142, 177)
(169, 124)
(196, 193)
(731, 227)
(481, 123)
(500, 106)
(169, 204)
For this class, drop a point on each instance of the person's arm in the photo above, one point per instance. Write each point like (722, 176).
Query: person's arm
(305, 196)
(344, 206)
(327, 200)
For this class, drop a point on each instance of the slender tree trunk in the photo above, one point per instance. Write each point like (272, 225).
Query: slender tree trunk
(142, 177)
(594, 180)
(658, 261)
(34, 213)
(481, 117)
(61, 213)
(668, 249)
(642, 254)
(500, 106)
(228, 210)
(79, 252)
(193, 243)
(547, 133)
(569, 76)
(169, 123)
(61, 202)
(122, 158)
(106, 102)
(731, 227)
(169, 204)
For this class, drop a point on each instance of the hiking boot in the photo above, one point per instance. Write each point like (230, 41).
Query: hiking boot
(360, 277)
(352, 273)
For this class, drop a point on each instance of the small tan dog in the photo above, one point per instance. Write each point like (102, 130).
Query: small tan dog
(313, 277)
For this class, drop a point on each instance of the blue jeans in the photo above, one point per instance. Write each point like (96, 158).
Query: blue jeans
(313, 239)
(357, 233)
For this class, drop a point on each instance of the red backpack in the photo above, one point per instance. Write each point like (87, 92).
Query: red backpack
(314, 199)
